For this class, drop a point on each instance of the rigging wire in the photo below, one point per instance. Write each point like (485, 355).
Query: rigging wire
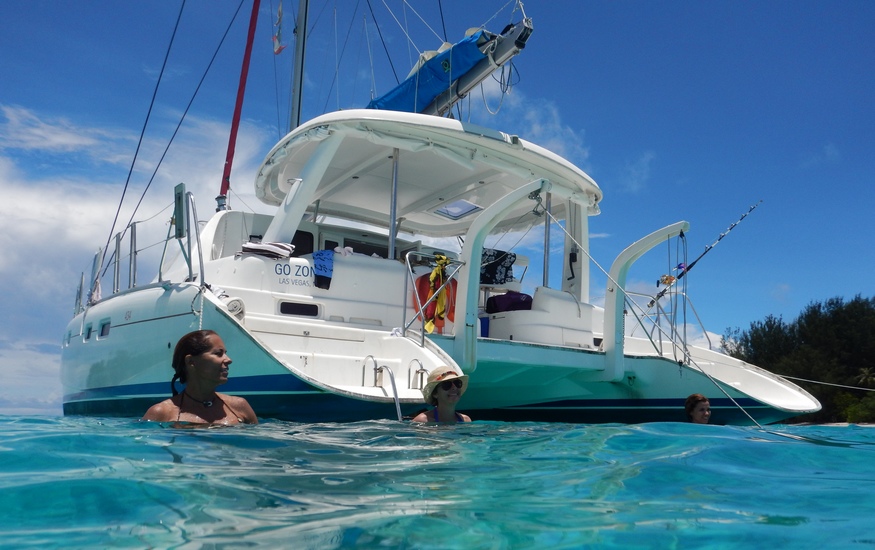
(173, 135)
(424, 22)
(276, 79)
(443, 22)
(239, 198)
(383, 42)
(407, 26)
(336, 60)
(334, 79)
(95, 283)
(508, 231)
(501, 9)
(634, 305)
(358, 60)
(373, 90)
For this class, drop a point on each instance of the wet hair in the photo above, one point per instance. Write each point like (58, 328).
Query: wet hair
(193, 343)
(691, 403)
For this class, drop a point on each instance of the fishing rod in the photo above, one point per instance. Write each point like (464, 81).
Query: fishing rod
(684, 269)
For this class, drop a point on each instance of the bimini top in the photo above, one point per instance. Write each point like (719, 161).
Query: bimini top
(341, 165)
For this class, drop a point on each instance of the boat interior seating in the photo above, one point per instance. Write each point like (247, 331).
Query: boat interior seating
(556, 317)
(497, 273)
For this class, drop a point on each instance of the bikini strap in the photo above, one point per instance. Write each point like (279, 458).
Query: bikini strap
(239, 418)
(179, 410)
(437, 418)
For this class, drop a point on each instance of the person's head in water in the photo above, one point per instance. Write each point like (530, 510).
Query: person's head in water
(698, 409)
(443, 389)
(201, 363)
(194, 343)
(444, 379)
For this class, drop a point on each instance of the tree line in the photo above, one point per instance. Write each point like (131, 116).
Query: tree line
(829, 350)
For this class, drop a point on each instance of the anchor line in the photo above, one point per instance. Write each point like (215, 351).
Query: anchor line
(708, 248)
(826, 383)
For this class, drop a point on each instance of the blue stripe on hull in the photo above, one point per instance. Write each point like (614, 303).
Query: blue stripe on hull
(630, 411)
(286, 397)
(304, 407)
(264, 383)
(283, 397)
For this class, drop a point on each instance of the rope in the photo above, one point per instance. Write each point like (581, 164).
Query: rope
(199, 313)
(718, 386)
(501, 95)
(826, 383)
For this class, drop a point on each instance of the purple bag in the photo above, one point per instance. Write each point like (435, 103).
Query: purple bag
(511, 301)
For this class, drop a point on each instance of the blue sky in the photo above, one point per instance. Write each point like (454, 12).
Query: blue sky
(679, 110)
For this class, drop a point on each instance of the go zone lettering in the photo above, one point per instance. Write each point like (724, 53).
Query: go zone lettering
(294, 270)
(296, 275)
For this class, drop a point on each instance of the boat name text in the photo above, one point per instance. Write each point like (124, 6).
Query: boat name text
(295, 275)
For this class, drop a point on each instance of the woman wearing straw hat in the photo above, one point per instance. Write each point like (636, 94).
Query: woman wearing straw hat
(443, 390)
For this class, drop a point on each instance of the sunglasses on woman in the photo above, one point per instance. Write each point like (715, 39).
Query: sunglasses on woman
(447, 384)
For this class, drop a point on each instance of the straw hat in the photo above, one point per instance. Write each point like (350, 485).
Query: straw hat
(442, 374)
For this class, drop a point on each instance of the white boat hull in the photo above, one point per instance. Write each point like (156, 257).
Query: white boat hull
(513, 380)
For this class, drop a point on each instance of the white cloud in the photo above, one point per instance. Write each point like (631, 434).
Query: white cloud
(31, 377)
(24, 130)
(636, 173)
(537, 120)
(51, 225)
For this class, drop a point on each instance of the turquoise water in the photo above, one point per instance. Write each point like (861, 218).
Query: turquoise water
(95, 483)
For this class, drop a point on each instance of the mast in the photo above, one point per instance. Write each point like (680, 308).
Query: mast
(298, 83)
(221, 203)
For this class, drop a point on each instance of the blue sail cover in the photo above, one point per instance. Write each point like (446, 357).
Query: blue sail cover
(422, 87)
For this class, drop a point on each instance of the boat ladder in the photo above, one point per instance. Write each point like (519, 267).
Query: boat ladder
(378, 369)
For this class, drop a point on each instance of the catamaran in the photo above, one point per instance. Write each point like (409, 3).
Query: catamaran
(378, 266)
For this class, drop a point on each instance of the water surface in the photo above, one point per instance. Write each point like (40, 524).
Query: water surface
(88, 483)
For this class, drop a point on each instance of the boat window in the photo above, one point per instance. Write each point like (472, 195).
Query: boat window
(457, 210)
(366, 248)
(303, 243)
(104, 329)
(296, 308)
(88, 330)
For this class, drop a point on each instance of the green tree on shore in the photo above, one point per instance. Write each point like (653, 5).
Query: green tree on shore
(829, 350)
